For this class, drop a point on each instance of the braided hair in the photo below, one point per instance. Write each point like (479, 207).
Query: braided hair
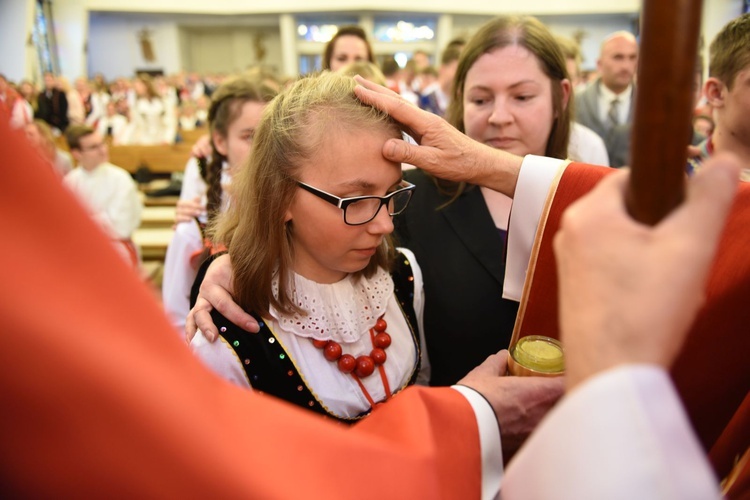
(226, 107)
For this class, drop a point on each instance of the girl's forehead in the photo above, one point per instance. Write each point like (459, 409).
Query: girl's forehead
(350, 152)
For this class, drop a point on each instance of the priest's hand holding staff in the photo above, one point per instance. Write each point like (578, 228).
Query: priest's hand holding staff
(629, 292)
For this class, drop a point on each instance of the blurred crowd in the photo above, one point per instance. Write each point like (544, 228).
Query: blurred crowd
(149, 110)
(140, 110)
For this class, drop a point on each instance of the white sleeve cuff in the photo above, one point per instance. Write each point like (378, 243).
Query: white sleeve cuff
(621, 434)
(489, 441)
(534, 181)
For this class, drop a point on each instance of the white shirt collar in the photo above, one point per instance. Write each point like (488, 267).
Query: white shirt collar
(609, 95)
(606, 96)
(342, 311)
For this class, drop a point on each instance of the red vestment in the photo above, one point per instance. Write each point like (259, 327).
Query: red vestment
(100, 398)
(712, 373)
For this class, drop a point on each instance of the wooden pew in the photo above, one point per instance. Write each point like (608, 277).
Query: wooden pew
(190, 136)
(153, 241)
(161, 159)
(157, 216)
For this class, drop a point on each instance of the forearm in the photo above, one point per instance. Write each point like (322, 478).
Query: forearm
(494, 169)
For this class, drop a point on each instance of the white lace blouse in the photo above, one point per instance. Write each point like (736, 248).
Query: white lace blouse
(344, 312)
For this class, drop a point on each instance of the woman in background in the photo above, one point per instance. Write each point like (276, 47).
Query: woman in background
(510, 92)
(348, 45)
(40, 135)
(152, 120)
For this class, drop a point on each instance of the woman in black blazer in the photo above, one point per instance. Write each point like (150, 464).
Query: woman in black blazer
(511, 92)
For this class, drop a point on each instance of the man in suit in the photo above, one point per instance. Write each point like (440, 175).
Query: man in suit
(605, 106)
(53, 105)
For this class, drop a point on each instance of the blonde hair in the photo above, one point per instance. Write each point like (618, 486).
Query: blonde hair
(47, 140)
(290, 134)
(570, 49)
(365, 69)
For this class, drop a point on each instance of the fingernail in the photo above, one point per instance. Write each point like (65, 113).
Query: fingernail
(390, 148)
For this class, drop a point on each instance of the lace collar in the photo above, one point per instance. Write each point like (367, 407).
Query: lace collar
(342, 311)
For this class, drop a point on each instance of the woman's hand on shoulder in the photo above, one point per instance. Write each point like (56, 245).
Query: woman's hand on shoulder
(216, 293)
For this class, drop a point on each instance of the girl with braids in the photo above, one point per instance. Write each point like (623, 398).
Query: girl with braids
(309, 239)
(233, 116)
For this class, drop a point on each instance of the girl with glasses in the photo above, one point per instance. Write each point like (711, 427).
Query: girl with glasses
(308, 232)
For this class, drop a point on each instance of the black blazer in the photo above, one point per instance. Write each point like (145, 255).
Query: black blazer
(53, 109)
(462, 257)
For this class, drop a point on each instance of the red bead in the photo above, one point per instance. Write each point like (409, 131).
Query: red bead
(381, 325)
(320, 344)
(365, 366)
(378, 356)
(347, 363)
(332, 351)
(382, 340)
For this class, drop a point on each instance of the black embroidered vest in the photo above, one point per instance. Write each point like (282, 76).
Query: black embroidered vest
(269, 368)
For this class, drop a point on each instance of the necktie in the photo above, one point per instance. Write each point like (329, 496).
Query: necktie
(613, 114)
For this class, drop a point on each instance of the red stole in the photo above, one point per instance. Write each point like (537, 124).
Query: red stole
(712, 374)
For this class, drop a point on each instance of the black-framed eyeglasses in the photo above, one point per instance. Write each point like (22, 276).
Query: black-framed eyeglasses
(360, 210)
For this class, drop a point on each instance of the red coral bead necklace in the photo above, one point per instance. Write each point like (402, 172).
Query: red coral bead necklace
(362, 366)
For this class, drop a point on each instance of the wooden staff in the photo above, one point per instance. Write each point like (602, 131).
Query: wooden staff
(664, 101)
